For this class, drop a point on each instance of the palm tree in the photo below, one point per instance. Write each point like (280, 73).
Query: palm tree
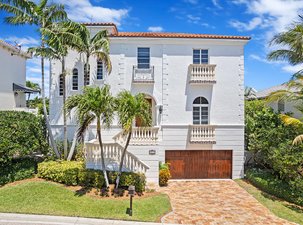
(95, 104)
(292, 52)
(42, 15)
(32, 85)
(130, 108)
(97, 46)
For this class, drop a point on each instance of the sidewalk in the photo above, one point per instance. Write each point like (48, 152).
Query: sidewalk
(21, 219)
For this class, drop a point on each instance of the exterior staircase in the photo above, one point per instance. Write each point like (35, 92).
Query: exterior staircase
(112, 155)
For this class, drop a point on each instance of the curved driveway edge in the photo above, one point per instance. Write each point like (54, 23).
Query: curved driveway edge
(210, 202)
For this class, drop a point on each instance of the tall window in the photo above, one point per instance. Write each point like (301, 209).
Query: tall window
(200, 111)
(281, 106)
(200, 56)
(143, 58)
(61, 85)
(88, 74)
(99, 70)
(75, 79)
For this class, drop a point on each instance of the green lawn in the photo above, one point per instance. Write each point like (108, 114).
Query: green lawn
(280, 208)
(42, 197)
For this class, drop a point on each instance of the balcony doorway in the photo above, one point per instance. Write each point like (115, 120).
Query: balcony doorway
(152, 105)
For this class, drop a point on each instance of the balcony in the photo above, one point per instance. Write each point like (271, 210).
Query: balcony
(202, 134)
(140, 136)
(143, 75)
(202, 74)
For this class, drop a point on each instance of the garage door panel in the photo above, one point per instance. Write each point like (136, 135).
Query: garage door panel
(199, 164)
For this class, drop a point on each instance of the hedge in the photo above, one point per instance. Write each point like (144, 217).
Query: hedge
(20, 169)
(74, 173)
(268, 182)
(21, 134)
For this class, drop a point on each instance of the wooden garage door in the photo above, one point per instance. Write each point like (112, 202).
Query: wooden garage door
(196, 164)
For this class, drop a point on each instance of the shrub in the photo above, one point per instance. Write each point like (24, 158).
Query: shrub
(65, 172)
(19, 169)
(74, 173)
(164, 176)
(268, 182)
(129, 178)
(21, 134)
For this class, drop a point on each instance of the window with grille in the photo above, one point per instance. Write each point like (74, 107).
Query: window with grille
(99, 70)
(61, 85)
(200, 111)
(87, 78)
(75, 79)
(143, 58)
(200, 56)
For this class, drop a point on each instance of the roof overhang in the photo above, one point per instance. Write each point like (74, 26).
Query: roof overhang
(24, 89)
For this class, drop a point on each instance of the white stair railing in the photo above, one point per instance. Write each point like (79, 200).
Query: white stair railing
(202, 73)
(140, 136)
(202, 134)
(112, 155)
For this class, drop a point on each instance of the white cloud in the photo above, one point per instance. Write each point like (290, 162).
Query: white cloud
(155, 29)
(216, 4)
(194, 2)
(84, 11)
(193, 19)
(276, 14)
(25, 42)
(240, 26)
(292, 69)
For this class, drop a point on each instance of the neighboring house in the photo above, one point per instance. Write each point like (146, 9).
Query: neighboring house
(279, 106)
(195, 86)
(13, 77)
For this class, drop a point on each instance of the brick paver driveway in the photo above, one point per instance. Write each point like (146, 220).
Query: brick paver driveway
(215, 202)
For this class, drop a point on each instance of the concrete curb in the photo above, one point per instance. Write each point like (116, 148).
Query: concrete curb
(20, 219)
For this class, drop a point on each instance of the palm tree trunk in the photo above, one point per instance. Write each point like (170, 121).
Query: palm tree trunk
(64, 110)
(50, 134)
(86, 70)
(73, 147)
(102, 153)
(122, 158)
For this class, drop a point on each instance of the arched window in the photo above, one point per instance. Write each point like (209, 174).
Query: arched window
(61, 85)
(99, 70)
(86, 79)
(75, 79)
(200, 111)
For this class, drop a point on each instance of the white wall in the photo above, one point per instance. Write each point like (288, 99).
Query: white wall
(13, 70)
(171, 58)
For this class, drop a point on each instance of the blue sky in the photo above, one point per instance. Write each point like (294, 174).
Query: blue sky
(260, 19)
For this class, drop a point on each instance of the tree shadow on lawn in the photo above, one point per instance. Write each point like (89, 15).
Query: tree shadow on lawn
(289, 205)
(82, 191)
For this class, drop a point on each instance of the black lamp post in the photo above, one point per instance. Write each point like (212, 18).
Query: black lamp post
(131, 192)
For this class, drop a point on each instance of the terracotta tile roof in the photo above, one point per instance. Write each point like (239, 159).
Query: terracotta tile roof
(14, 49)
(177, 35)
(165, 34)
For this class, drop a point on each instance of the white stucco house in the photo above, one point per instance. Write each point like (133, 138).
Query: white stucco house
(281, 106)
(13, 77)
(195, 86)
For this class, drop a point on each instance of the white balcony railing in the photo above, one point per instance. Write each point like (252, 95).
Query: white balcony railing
(202, 134)
(112, 155)
(202, 73)
(143, 75)
(140, 136)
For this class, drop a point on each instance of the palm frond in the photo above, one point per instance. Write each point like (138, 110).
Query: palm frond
(279, 95)
(105, 58)
(288, 120)
(298, 140)
(84, 123)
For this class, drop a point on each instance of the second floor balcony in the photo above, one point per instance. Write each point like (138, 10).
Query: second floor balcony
(202, 74)
(202, 134)
(143, 75)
